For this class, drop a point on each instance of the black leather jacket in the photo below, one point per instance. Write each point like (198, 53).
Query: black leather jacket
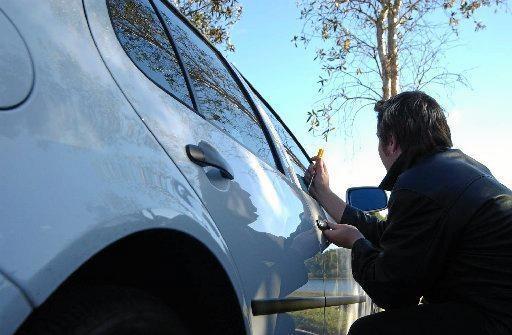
(447, 237)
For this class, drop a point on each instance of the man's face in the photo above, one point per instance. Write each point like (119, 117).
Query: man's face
(382, 155)
(389, 152)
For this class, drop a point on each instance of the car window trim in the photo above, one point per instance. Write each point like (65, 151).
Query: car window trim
(234, 76)
(142, 71)
(187, 79)
(191, 90)
(278, 119)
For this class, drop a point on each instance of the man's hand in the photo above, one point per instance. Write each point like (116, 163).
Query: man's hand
(318, 172)
(343, 235)
(320, 189)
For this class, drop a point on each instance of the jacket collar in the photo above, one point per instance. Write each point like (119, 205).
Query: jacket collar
(405, 161)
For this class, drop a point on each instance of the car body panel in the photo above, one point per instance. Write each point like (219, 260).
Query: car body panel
(259, 213)
(80, 170)
(14, 307)
(15, 66)
(97, 153)
(338, 279)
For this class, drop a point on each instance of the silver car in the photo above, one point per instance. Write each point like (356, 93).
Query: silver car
(147, 188)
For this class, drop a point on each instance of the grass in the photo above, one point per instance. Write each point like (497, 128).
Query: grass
(313, 319)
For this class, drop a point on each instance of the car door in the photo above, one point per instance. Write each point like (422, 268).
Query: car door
(345, 299)
(187, 96)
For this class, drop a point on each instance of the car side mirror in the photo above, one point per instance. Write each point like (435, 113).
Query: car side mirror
(367, 198)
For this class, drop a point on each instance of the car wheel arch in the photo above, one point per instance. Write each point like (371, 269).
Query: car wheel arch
(175, 266)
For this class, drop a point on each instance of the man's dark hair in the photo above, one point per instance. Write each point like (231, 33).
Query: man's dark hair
(416, 120)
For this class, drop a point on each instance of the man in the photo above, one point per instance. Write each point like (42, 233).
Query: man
(447, 239)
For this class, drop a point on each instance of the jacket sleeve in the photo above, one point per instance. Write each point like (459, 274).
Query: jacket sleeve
(411, 252)
(370, 226)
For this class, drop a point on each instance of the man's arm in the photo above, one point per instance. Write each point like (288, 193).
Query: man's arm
(370, 226)
(334, 206)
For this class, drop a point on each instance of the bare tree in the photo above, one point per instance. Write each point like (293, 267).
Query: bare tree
(372, 49)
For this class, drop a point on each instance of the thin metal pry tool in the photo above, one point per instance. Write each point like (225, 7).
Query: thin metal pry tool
(320, 154)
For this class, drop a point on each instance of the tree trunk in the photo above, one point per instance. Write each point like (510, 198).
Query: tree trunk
(393, 12)
(381, 48)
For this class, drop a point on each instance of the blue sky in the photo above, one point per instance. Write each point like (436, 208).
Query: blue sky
(480, 117)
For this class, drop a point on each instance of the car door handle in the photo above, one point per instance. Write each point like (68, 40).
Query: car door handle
(204, 154)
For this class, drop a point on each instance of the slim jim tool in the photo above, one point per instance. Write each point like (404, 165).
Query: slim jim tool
(320, 154)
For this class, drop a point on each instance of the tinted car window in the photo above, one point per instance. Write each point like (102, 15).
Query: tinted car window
(296, 156)
(218, 96)
(143, 38)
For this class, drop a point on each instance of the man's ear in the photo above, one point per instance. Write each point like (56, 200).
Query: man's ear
(393, 148)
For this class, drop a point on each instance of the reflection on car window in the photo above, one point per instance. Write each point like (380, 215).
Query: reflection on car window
(299, 161)
(144, 39)
(219, 98)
